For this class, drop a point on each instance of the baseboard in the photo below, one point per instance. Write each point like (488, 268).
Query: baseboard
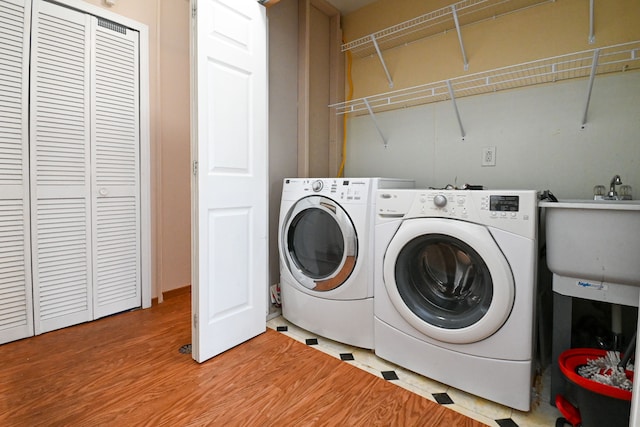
(172, 293)
(178, 291)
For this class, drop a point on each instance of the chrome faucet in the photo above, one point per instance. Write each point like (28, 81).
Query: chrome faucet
(613, 194)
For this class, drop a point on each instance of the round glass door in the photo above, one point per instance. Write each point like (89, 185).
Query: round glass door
(320, 243)
(448, 279)
(443, 281)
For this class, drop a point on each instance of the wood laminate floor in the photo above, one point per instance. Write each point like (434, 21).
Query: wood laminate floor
(127, 370)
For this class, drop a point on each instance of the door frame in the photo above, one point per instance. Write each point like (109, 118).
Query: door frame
(146, 261)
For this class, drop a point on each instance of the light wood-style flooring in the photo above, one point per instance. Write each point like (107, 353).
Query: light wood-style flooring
(126, 370)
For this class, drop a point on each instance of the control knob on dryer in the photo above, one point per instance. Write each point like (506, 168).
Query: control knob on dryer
(317, 185)
(440, 200)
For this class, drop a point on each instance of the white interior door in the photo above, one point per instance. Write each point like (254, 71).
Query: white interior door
(16, 311)
(229, 283)
(60, 164)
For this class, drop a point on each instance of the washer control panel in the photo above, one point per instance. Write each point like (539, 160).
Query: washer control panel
(512, 210)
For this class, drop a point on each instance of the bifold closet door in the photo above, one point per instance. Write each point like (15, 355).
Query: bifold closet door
(60, 167)
(16, 311)
(115, 148)
(84, 167)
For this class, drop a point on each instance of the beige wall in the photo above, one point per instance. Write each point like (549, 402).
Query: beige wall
(168, 22)
(174, 228)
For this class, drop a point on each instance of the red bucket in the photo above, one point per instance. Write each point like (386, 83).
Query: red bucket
(598, 404)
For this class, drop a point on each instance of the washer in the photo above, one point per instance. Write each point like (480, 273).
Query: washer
(455, 275)
(326, 253)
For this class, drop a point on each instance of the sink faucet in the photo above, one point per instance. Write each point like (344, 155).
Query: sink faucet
(613, 194)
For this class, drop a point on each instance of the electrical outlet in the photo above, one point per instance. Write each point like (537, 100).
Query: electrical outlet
(488, 156)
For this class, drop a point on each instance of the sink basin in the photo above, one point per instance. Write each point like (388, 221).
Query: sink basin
(594, 244)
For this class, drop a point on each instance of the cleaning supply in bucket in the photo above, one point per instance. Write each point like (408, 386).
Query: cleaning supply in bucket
(598, 402)
(608, 370)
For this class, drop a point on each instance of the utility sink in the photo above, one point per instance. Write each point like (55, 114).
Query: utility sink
(593, 248)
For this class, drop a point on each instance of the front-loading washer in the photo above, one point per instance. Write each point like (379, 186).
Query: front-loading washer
(455, 278)
(326, 250)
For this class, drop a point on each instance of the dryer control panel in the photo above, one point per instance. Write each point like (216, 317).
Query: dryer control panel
(343, 190)
(510, 210)
(340, 189)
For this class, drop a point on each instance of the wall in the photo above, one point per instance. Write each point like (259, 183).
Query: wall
(283, 114)
(319, 57)
(536, 130)
(174, 180)
(168, 22)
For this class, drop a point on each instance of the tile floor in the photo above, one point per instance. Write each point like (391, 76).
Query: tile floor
(490, 413)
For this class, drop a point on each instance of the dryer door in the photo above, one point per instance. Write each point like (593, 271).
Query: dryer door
(448, 279)
(319, 242)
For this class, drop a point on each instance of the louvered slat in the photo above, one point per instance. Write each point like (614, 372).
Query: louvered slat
(60, 174)
(15, 288)
(61, 52)
(16, 310)
(115, 154)
(63, 270)
(117, 252)
(12, 91)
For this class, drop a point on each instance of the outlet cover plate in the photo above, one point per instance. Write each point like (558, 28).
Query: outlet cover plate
(488, 156)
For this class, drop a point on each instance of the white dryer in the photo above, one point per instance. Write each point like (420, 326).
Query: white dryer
(326, 255)
(455, 276)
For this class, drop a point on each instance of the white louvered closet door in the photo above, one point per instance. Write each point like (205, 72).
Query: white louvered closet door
(115, 164)
(60, 167)
(16, 311)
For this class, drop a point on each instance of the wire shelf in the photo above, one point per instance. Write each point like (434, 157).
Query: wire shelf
(610, 59)
(435, 22)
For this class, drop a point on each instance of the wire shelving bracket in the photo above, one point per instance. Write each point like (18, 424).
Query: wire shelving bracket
(384, 65)
(592, 36)
(457, 22)
(592, 76)
(375, 122)
(455, 107)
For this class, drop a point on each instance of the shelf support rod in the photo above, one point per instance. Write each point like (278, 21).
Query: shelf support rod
(455, 19)
(384, 66)
(594, 66)
(375, 122)
(455, 107)
(592, 36)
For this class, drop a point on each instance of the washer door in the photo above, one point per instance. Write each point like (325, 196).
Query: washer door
(319, 242)
(448, 279)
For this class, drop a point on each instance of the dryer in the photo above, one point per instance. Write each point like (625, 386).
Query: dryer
(326, 255)
(455, 278)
